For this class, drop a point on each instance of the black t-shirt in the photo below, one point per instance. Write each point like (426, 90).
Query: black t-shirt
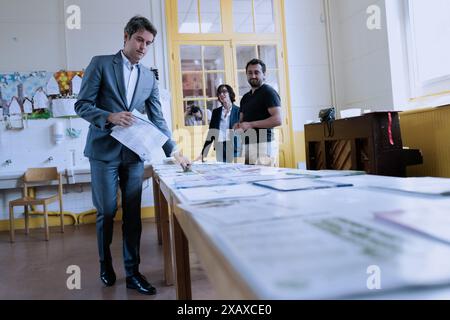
(255, 107)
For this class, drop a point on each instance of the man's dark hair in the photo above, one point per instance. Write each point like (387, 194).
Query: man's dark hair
(138, 23)
(255, 62)
(230, 91)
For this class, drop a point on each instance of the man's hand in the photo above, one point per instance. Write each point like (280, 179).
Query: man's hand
(184, 162)
(123, 119)
(245, 125)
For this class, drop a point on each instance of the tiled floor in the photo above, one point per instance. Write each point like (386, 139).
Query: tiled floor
(32, 268)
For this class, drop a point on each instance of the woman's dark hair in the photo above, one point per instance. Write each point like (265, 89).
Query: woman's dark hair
(138, 23)
(230, 91)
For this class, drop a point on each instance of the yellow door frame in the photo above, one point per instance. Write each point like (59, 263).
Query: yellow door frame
(277, 38)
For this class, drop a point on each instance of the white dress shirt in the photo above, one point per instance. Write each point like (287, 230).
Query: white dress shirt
(224, 127)
(130, 77)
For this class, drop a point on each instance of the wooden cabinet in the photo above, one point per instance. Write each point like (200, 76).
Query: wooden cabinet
(371, 142)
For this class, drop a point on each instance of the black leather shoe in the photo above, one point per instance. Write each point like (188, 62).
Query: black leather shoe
(107, 276)
(139, 283)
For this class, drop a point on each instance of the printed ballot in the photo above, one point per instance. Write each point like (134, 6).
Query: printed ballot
(143, 137)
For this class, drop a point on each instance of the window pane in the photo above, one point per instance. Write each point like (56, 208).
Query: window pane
(188, 16)
(193, 113)
(268, 54)
(243, 16)
(213, 58)
(192, 85)
(430, 34)
(213, 80)
(244, 87)
(210, 16)
(264, 21)
(210, 106)
(272, 80)
(244, 54)
(191, 58)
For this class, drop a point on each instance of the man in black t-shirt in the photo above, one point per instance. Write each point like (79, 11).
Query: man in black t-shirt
(260, 112)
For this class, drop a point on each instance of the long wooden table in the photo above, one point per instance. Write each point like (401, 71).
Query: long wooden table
(237, 271)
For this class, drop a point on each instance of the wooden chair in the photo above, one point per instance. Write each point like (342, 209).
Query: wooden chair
(31, 177)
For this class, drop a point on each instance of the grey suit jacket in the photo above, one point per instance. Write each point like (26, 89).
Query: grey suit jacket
(103, 92)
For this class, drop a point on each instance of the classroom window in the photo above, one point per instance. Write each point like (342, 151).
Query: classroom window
(427, 31)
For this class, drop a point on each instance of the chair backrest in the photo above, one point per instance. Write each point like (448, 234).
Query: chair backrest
(41, 174)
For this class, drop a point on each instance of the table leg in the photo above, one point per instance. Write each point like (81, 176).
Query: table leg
(157, 209)
(182, 265)
(165, 237)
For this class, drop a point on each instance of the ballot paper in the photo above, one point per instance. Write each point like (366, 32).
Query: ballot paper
(326, 173)
(416, 185)
(299, 184)
(434, 222)
(284, 253)
(142, 137)
(221, 192)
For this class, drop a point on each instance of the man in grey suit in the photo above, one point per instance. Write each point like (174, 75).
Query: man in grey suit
(112, 87)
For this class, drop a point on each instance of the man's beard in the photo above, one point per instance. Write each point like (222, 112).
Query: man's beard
(255, 83)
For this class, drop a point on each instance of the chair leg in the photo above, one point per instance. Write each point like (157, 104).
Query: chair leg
(11, 223)
(47, 233)
(27, 225)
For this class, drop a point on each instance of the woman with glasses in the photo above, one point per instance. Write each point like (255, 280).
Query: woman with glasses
(221, 127)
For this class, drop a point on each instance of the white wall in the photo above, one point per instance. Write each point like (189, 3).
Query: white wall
(34, 35)
(308, 60)
(362, 65)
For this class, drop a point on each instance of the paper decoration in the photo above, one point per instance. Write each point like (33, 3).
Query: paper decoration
(52, 86)
(76, 84)
(27, 106)
(64, 79)
(31, 82)
(40, 100)
(63, 107)
(15, 122)
(14, 107)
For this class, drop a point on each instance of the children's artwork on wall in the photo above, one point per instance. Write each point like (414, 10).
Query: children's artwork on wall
(76, 85)
(40, 100)
(14, 107)
(34, 92)
(30, 82)
(52, 87)
(63, 107)
(15, 122)
(64, 79)
(27, 106)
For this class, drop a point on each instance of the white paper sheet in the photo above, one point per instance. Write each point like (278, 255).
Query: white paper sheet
(14, 107)
(40, 100)
(142, 137)
(63, 107)
(52, 87)
(420, 185)
(27, 106)
(76, 84)
(435, 222)
(221, 192)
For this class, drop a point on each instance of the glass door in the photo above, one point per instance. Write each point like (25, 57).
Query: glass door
(203, 67)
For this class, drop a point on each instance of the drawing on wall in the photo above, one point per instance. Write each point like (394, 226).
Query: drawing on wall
(35, 92)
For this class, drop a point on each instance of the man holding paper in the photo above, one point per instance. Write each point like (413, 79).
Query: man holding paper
(113, 86)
